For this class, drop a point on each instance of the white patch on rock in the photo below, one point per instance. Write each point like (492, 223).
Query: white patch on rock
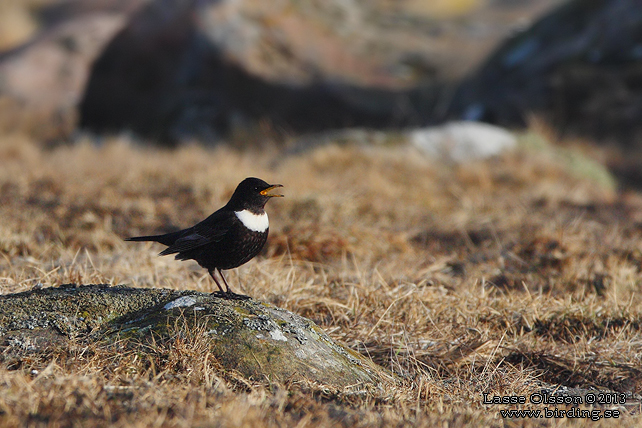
(462, 141)
(278, 335)
(184, 301)
(255, 222)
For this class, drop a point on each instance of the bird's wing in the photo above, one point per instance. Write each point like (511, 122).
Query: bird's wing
(210, 230)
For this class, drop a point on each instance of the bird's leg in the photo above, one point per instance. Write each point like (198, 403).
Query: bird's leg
(225, 281)
(211, 271)
(230, 293)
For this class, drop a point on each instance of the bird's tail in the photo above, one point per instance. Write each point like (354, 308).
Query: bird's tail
(166, 239)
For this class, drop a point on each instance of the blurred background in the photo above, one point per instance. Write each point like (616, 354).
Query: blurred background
(251, 73)
(462, 182)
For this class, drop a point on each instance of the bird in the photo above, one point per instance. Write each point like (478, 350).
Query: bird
(229, 237)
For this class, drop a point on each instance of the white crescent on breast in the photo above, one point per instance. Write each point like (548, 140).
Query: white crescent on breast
(254, 222)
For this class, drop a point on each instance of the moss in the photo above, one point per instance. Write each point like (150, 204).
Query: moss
(578, 164)
(241, 310)
(255, 339)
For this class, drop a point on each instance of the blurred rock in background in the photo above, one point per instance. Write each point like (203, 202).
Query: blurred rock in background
(579, 68)
(182, 69)
(247, 71)
(43, 78)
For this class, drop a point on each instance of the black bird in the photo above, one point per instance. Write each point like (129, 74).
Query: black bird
(228, 238)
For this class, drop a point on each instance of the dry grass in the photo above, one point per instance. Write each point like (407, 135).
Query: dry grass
(500, 276)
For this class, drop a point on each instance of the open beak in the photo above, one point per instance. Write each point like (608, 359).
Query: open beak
(273, 186)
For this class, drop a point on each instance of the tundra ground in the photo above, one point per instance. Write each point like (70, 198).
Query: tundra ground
(505, 277)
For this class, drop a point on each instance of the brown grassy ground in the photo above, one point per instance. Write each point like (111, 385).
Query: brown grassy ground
(500, 276)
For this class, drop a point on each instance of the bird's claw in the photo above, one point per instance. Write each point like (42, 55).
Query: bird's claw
(229, 295)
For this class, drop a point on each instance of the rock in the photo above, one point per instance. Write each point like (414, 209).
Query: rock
(42, 81)
(452, 142)
(242, 70)
(215, 69)
(462, 141)
(579, 67)
(239, 70)
(256, 339)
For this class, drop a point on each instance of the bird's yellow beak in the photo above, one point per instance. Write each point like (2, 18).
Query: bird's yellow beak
(274, 186)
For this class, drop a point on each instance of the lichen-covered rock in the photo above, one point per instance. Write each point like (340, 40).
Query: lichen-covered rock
(256, 339)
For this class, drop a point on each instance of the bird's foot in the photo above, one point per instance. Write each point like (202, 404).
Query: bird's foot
(230, 295)
(233, 296)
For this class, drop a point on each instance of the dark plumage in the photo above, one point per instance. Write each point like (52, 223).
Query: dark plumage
(228, 238)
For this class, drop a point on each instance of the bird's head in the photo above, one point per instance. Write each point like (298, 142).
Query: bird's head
(252, 194)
